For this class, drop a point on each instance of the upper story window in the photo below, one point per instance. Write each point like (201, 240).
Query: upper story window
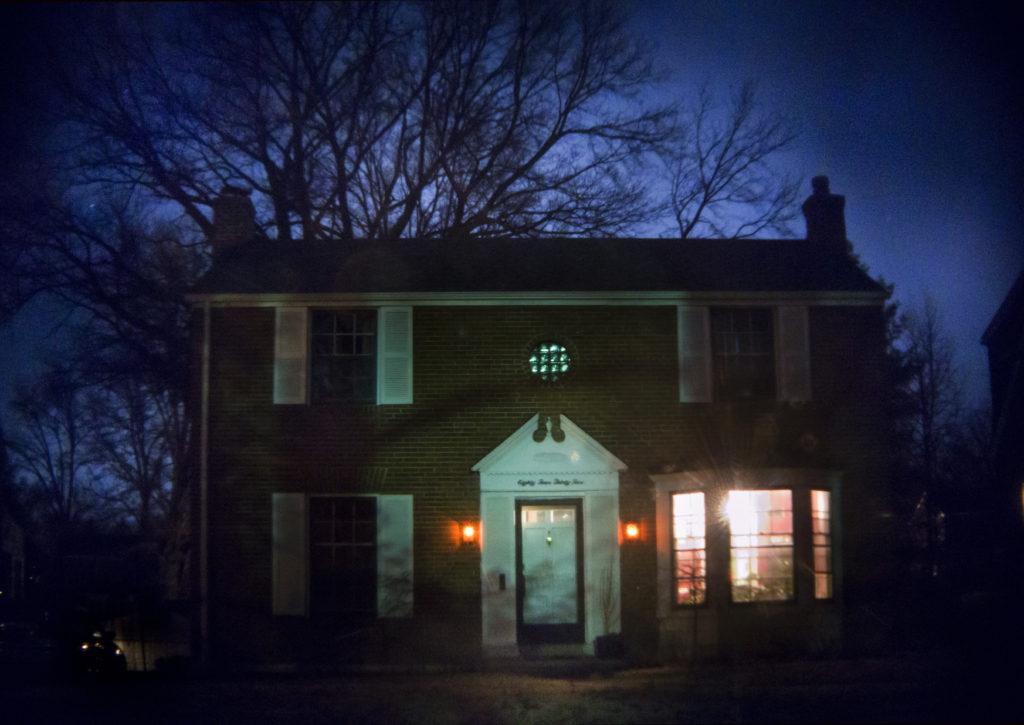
(344, 356)
(740, 353)
(743, 353)
(358, 355)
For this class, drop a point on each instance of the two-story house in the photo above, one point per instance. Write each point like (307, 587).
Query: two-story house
(445, 448)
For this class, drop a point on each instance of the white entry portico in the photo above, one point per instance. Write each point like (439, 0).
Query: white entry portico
(549, 504)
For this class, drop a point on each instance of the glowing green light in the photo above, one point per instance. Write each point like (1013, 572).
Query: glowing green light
(550, 361)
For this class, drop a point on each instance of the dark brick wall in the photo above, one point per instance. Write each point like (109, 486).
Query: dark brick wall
(472, 389)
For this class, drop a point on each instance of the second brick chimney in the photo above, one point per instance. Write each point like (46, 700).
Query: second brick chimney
(234, 220)
(826, 216)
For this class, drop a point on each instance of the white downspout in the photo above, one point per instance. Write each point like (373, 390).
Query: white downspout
(204, 446)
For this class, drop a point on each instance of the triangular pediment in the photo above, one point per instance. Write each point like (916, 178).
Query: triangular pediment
(522, 454)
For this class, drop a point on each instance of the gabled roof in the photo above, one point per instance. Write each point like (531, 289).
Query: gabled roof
(1008, 314)
(533, 265)
(522, 453)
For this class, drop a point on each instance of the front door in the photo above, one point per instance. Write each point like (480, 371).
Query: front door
(549, 555)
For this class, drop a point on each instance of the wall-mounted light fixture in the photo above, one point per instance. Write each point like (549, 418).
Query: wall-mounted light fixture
(468, 533)
(631, 531)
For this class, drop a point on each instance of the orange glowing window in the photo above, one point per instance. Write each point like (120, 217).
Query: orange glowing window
(761, 538)
(821, 530)
(688, 548)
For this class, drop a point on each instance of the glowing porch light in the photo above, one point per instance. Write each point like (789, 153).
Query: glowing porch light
(468, 534)
(632, 532)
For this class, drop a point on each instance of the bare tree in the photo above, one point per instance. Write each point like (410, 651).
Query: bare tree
(721, 179)
(369, 120)
(936, 390)
(50, 450)
(128, 441)
(372, 120)
(929, 424)
(117, 276)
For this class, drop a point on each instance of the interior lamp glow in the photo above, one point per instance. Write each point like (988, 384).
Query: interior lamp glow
(740, 512)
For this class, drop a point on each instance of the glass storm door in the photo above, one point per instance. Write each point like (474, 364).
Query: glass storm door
(549, 551)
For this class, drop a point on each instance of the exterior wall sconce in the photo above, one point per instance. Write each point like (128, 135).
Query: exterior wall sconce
(468, 533)
(631, 531)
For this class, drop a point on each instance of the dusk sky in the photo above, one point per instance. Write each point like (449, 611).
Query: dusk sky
(913, 112)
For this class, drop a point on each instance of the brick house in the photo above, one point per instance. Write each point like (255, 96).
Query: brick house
(446, 448)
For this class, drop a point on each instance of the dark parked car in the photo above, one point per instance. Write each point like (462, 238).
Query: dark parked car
(98, 654)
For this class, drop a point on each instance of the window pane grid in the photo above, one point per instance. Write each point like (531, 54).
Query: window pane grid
(550, 361)
(690, 560)
(343, 554)
(761, 541)
(744, 353)
(821, 532)
(344, 355)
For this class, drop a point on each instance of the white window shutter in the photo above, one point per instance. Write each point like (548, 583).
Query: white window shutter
(290, 559)
(394, 356)
(794, 354)
(394, 556)
(694, 338)
(290, 331)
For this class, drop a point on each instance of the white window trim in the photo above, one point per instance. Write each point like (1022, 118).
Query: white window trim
(693, 337)
(792, 353)
(394, 356)
(800, 481)
(291, 350)
(292, 356)
(290, 555)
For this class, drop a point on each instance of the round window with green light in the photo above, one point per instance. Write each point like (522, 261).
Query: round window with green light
(550, 361)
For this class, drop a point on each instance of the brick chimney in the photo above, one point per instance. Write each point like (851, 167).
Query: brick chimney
(825, 215)
(234, 220)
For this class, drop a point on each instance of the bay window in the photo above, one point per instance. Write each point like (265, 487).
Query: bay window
(688, 548)
(761, 545)
(749, 541)
(821, 531)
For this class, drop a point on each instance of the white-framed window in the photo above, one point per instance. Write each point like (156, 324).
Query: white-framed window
(743, 353)
(689, 549)
(736, 353)
(359, 355)
(343, 555)
(343, 356)
(760, 544)
(770, 535)
(348, 555)
(821, 532)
